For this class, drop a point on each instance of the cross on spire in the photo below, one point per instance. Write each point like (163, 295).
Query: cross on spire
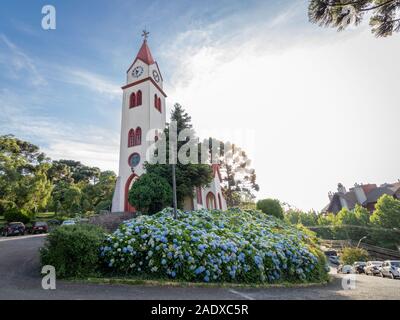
(145, 34)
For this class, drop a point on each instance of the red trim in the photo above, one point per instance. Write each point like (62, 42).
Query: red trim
(219, 201)
(131, 138)
(199, 196)
(132, 100)
(144, 55)
(139, 98)
(215, 168)
(138, 136)
(127, 205)
(212, 196)
(143, 80)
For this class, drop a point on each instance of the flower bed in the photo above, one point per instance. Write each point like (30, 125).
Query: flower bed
(214, 246)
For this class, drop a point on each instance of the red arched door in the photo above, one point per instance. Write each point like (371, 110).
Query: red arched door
(128, 207)
(210, 200)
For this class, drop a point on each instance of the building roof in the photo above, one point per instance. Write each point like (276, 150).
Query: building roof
(371, 191)
(375, 194)
(144, 54)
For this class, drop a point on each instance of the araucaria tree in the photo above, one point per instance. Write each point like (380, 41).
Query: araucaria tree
(188, 176)
(238, 177)
(384, 15)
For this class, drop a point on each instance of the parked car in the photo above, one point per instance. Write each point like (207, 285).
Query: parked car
(330, 253)
(344, 269)
(53, 222)
(358, 267)
(14, 229)
(373, 268)
(68, 223)
(39, 227)
(391, 268)
(334, 260)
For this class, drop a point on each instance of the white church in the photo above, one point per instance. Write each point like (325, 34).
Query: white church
(143, 111)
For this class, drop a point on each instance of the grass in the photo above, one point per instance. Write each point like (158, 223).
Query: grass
(142, 281)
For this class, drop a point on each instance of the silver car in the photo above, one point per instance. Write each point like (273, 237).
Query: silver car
(373, 268)
(391, 268)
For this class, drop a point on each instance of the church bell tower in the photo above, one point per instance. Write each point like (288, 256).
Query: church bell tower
(143, 116)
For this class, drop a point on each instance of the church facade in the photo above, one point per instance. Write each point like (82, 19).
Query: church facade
(144, 116)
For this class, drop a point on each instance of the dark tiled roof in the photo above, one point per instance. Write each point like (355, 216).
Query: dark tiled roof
(375, 194)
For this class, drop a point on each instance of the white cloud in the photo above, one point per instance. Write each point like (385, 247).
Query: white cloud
(18, 64)
(91, 81)
(91, 145)
(316, 100)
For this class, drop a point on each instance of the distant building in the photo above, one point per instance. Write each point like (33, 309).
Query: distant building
(365, 195)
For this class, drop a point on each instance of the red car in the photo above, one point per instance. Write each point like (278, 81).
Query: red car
(14, 229)
(39, 227)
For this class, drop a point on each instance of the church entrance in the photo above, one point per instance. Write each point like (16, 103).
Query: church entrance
(128, 207)
(210, 201)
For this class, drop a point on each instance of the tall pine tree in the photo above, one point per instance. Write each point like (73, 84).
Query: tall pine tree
(188, 176)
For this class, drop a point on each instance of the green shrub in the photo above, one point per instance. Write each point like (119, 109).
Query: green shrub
(272, 207)
(73, 250)
(351, 255)
(17, 215)
(150, 194)
(242, 246)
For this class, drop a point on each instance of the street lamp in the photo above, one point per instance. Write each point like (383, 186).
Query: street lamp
(363, 238)
(174, 189)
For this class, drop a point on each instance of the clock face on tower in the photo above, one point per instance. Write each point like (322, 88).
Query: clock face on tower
(156, 76)
(137, 72)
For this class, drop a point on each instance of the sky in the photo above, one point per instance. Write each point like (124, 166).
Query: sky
(312, 107)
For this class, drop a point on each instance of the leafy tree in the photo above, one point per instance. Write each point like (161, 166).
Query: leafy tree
(351, 255)
(271, 206)
(238, 177)
(294, 216)
(188, 176)
(384, 15)
(150, 194)
(387, 212)
(23, 174)
(79, 172)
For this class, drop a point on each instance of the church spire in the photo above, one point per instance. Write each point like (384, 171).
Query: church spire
(144, 53)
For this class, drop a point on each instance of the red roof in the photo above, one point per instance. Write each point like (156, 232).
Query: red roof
(144, 54)
(215, 169)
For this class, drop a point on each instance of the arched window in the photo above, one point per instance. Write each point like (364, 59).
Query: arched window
(219, 201)
(139, 98)
(131, 138)
(159, 104)
(138, 136)
(210, 200)
(132, 100)
(155, 101)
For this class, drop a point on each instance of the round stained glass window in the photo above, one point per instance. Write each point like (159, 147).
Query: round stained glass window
(134, 160)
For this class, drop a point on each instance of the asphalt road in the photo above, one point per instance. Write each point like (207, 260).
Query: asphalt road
(20, 279)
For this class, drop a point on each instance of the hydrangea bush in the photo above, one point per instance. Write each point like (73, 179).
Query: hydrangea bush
(214, 246)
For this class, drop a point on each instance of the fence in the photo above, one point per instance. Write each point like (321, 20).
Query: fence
(374, 251)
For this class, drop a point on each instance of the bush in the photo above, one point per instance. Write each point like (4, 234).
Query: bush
(17, 215)
(236, 246)
(351, 255)
(150, 194)
(73, 250)
(272, 207)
